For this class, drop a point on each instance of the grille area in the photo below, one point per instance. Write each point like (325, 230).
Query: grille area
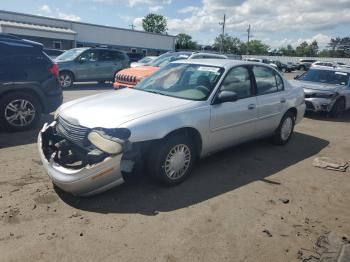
(309, 105)
(74, 133)
(125, 78)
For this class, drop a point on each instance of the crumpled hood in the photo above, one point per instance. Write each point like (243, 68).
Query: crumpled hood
(142, 71)
(314, 86)
(111, 109)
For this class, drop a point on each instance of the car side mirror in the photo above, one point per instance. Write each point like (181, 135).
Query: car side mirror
(226, 96)
(297, 76)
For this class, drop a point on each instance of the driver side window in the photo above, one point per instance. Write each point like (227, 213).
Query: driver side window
(90, 55)
(238, 81)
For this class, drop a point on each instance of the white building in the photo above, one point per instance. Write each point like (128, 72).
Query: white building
(64, 34)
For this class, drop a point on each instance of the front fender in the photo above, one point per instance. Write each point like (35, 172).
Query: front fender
(158, 126)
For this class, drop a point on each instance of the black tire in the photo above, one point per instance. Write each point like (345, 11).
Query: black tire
(66, 79)
(15, 98)
(279, 138)
(338, 108)
(157, 160)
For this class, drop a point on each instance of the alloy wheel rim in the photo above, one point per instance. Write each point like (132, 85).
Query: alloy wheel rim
(177, 161)
(65, 80)
(286, 129)
(20, 112)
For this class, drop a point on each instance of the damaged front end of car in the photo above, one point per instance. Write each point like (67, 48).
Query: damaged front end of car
(83, 161)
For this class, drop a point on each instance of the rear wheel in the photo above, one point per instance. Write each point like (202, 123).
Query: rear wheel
(285, 130)
(66, 79)
(173, 160)
(19, 111)
(338, 108)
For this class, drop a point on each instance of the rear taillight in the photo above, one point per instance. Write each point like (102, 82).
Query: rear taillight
(54, 70)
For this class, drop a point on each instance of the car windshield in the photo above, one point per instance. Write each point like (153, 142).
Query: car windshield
(326, 76)
(70, 54)
(165, 59)
(186, 81)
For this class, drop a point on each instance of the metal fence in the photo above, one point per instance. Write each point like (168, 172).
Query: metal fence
(285, 59)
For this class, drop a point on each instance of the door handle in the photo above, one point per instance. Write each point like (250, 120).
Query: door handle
(283, 100)
(251, 106)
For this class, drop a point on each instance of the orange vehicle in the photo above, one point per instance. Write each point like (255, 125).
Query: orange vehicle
(131, 76)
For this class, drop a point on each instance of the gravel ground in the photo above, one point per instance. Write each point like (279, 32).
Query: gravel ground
(253, 202)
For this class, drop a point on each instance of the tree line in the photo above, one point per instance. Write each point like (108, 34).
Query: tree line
(337, 47)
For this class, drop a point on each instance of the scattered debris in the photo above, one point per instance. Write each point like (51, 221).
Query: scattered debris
(267, 232)
(34, 207)
(329, 247)
(270, 181)
(81, 234)
(330, 164)
(284, 200)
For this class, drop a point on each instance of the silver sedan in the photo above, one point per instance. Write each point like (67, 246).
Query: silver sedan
(326, 89)
(185, 111)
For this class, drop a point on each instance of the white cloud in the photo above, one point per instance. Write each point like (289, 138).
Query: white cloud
(45, 10)
(155, 9)
(66, 16)
(132, 3)
(138, 22)
(264, 16)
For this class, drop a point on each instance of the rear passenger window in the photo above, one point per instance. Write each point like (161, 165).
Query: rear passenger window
(267, 81)
(106, 55)
(238, 81)
(118, 56)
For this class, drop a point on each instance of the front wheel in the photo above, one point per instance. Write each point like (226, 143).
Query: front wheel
(338, 108)
(173, 160)
(285, 130)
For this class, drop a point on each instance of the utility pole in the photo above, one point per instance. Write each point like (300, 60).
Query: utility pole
(248, 30)
(132, 26)
(223, 34)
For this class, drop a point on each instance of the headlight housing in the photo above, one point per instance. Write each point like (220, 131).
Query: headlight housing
(325, 95)
(111, 141)
(56, 114)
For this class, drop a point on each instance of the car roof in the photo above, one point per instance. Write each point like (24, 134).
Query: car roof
(336, 69)
(227, 63)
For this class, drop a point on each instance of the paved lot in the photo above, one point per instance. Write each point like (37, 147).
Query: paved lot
(254, 202)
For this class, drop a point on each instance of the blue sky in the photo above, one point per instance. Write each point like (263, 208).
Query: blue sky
(275, 22)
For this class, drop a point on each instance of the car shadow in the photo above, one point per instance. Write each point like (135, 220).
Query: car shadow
(322, 116)
(213, 176)
(10, 139)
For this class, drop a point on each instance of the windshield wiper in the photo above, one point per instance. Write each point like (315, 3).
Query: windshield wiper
(155, 92)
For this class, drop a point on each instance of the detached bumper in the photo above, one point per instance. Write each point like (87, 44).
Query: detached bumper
(319, 104)
(86, 181)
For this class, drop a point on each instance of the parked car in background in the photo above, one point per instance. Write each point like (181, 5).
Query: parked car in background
(131, 76)
(323, 63)
(144, 61)
(53, 53)
(28, 83)
(134, 57)
(326, 89)
(305, 64)
(272, 63)
(90, 64)
(290, 66)
(186, 110)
